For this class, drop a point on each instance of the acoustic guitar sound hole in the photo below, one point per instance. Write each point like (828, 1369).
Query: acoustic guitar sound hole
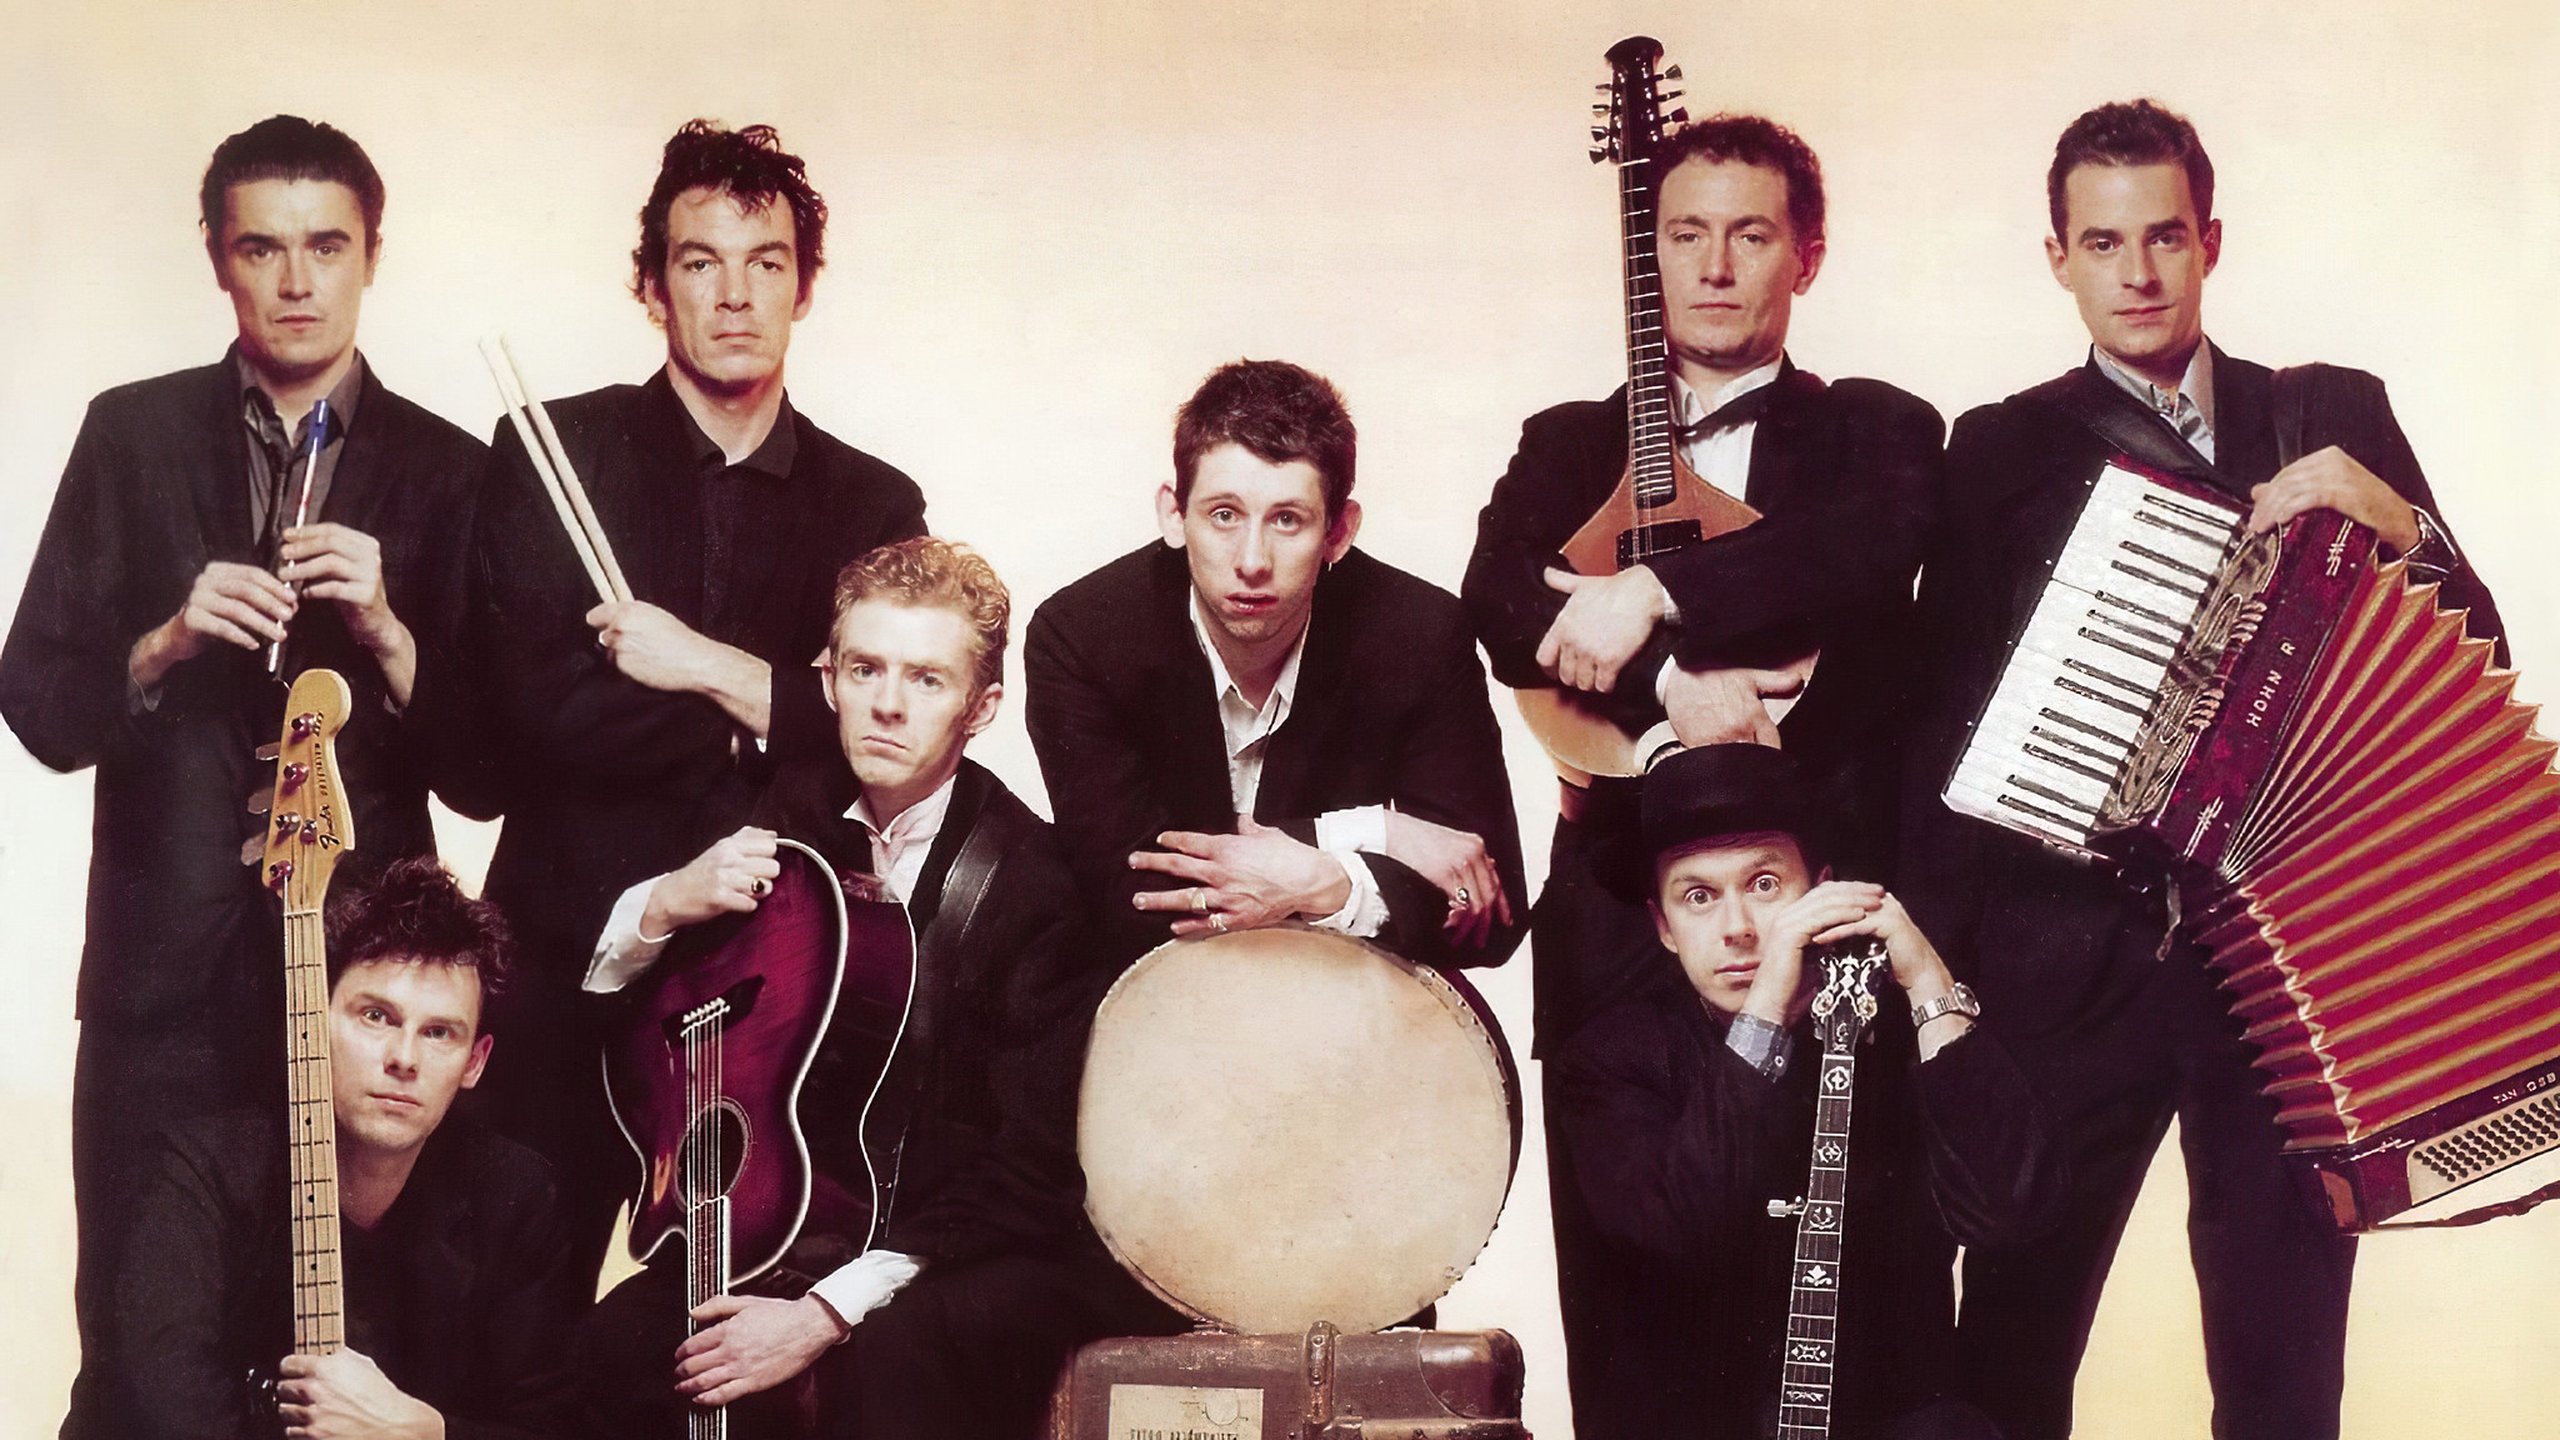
(720, 1137)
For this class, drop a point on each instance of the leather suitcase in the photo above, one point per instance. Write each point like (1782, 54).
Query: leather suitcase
(1323, 1385)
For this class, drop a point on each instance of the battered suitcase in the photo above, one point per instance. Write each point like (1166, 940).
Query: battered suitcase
(1324, 1385)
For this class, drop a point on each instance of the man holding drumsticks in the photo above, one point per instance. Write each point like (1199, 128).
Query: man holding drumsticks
(628, 722)
(171, 562)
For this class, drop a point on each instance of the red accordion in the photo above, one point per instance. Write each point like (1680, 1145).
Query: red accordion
(2364, 827)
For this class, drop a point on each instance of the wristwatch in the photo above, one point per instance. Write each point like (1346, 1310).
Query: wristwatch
(1958, 1001)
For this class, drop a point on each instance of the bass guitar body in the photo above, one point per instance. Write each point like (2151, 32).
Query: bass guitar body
(706, 1082)
(1586, 734)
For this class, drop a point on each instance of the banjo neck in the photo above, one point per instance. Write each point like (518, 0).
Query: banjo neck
(1842, 1009)
(310, 827)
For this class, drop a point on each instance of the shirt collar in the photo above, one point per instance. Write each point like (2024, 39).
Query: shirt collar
(1692, 409)
(773, 457)
(343, 396)
(2196, 386)
(1237, 714)
(919, 823)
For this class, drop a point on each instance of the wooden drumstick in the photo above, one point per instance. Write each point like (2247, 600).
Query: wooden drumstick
(559, 480)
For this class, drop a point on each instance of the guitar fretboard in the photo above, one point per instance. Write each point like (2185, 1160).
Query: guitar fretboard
(1649, 426)
(319, 1292)
(707, 1204)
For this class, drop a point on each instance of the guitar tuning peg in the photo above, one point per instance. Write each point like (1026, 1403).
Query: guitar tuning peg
(1603, 89)
(1679, 116)
(269, 751)
(1598, 134)
(1600, 112)
(261, 803)
(1598, 155)
(1669, 95)
(253, 849)
(1781, 1209)
(1671, 74)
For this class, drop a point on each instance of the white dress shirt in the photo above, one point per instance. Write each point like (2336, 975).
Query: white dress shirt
(1342, 834)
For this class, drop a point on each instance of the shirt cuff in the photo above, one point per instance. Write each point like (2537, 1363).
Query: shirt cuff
(622, 952)
(137, 700)
(865, 1283)
(1762, 1046)
(1361, 827)
(1365, 913)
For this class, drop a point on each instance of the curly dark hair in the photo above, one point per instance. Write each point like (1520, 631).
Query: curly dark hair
(1279, 411)
(1753, 140)
(751, 165)
(412, 910)
(2136, 133)
(940, 574)
(288, 147)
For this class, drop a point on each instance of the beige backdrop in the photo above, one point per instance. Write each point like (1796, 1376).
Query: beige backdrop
(1049, 226)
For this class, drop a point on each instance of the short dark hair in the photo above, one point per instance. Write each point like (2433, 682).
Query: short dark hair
(937, 573)
(288, 147)
(2117, 133)
(411, 910)
(751, 165)
(1753, 140)
(1279, 411)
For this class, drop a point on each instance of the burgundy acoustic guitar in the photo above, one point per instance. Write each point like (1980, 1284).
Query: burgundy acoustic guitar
(706, 1083)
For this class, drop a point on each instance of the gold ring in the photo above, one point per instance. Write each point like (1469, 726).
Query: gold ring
(1200, 898)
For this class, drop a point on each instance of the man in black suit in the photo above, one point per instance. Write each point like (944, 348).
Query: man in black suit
(1789, 631)
(985, 1273)
(1253, 722)
(178, 550)
(1690, 1109)
(449, 1237)
(2099, 995)
(628, 724)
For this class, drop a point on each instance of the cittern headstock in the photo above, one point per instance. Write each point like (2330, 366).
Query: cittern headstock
(1632, 120)
(309, 823)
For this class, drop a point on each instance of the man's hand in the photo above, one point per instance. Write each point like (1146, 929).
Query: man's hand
(344, 1395)
(1834, 908)
(1917, 967)
(234, 604)
(2332, 479)
(1726, 707)
(756, 1345)
(1459, 864)
(344, 567)
(731, 877)
(663, 653)
(1255, 877)
(1606, 620)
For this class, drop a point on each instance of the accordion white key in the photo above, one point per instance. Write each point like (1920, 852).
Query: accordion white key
(2363, 825)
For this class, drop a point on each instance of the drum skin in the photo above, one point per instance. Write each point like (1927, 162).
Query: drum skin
(1284, 1126)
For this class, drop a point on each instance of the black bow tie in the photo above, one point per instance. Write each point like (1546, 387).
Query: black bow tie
(1741, 410)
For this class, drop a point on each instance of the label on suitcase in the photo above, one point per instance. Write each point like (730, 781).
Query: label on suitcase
(1184, 1412)
(1324, 1385)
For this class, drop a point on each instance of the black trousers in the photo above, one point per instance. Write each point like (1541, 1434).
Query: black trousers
(1589, 948)
(971, 1349)
(2271, 1269)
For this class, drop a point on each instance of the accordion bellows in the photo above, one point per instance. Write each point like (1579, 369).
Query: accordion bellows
(2366, 832)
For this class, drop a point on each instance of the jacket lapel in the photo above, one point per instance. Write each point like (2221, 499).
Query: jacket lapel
(219, 479)
(2243, 422)
(1178, 693)
(1289, 766)
(1778, 446)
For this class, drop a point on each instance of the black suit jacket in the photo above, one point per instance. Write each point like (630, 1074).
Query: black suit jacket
(1678, 1146)
(606, 781)
(462, 1301)
(1390, 709)
(2026, 924)
(994, 1049)
(1845, 479)
(156, 488)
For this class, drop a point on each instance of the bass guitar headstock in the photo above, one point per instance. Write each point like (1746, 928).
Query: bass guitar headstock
(309, 823)
(1854, 973)
(1632, 121)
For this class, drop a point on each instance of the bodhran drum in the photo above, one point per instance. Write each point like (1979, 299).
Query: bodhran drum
(1284, 1126)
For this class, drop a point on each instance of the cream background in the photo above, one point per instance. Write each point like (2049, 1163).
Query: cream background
(1049, 225)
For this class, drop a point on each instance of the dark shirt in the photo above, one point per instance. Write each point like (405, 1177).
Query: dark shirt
(272, 451)
(458, 1292)
(1679, 1145)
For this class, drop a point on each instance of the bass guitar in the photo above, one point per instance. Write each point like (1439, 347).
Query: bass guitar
(1853, 973)
(1659, 504)
(706, 1081)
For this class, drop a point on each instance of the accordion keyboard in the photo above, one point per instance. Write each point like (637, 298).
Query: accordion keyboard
(2055, 738)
